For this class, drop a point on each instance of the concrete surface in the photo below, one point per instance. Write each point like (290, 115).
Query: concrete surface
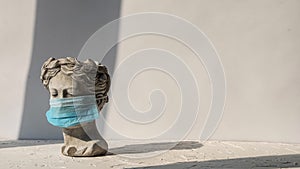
(188, 154)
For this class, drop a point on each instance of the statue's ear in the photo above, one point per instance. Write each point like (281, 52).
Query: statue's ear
(102, 73)
(103, 76)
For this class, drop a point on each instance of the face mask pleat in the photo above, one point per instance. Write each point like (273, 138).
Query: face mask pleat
(73, 101)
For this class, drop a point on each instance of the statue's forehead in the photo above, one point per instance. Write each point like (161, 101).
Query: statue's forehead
(60, 80)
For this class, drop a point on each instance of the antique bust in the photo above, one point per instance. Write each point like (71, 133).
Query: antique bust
(78, 92)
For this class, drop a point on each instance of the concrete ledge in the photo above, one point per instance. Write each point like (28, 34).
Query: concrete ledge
(187, 154)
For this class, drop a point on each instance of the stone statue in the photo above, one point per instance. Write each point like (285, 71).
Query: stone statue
(71, 82)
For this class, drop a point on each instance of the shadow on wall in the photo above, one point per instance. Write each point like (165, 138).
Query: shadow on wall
(61, 29)
(270, 162)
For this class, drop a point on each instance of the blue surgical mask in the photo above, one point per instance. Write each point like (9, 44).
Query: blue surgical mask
(67, 112)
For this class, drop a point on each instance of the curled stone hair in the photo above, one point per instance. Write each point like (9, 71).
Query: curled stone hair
(93, 75)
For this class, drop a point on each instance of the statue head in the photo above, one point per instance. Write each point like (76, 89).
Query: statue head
(68, 77)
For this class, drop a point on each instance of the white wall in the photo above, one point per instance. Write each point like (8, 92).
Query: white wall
(30, 33)
(258, 43)
(61, 29)
(16, 38)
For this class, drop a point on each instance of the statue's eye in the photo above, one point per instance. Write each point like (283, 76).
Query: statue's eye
(69, 92)
(69, 95)
(54, 93)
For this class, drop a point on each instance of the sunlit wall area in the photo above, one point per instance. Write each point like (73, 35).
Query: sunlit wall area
(257, 42)
(16, 39)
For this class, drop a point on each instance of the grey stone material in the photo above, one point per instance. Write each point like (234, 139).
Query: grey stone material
(68, 77)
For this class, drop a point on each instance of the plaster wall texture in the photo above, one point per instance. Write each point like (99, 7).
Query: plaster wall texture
(16, 38)
(258, 43)
(257, 40)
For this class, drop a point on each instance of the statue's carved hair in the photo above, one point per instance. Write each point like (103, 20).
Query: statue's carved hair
(93, 75)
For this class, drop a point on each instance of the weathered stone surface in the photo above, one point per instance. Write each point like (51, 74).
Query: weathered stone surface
(68, 77)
